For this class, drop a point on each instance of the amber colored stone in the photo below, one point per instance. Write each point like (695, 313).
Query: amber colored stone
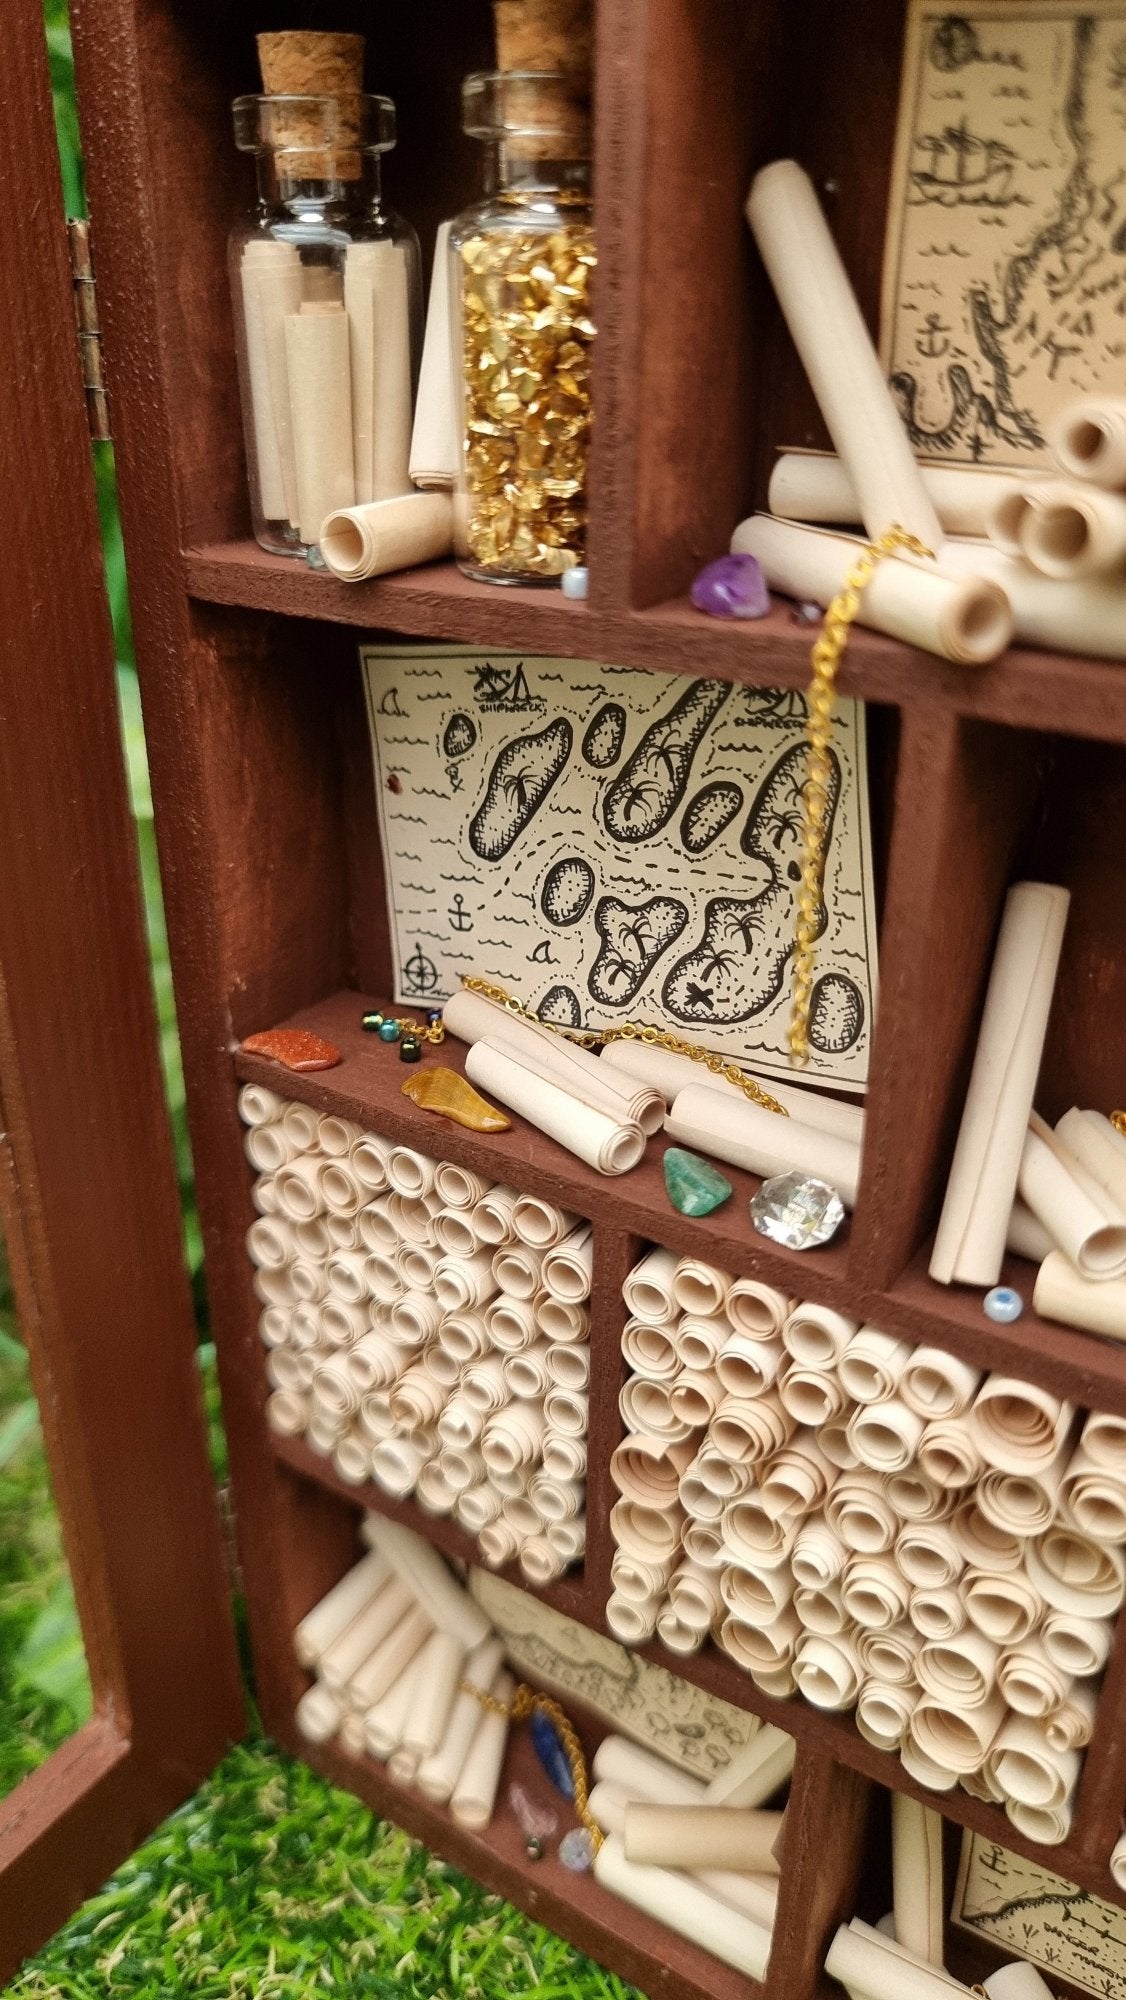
(294, 1048)
(448, 1095)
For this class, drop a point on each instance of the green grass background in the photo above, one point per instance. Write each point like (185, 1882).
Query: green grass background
(268, 1884)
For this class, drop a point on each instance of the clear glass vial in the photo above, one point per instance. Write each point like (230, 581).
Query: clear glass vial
(521, 271)
(326, 286)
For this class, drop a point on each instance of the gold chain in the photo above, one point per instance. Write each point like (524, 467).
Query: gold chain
(828, 652)
(632, 1031)
(1118, 1120)
(525, 1701)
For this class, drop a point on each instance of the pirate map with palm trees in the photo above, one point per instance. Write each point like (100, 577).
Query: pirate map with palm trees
(614, 845)
(1023, 1907)
(1005, 267)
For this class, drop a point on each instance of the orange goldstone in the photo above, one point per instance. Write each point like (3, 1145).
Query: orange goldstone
(293, 1048)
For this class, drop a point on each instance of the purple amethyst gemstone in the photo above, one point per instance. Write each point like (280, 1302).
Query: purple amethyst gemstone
(732, 587)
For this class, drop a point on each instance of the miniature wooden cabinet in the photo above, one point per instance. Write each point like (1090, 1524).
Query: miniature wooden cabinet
(269, 845)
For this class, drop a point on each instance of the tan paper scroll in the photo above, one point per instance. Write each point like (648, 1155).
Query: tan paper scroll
(434, 452)
(262, 426)
(916, 1864)
(1099, 1148)
(1018, 1426)
(836, 350)
(703, 1836)
(1088, 440)
(608, 1144)
(273, 272)
(961, 615)
(316, 346)
(318, 1714)
(1093, 1306)
(386, 535)
(970, 1242)
(643, 1775)
(871, 1365)
(438, 1671)
(475, 1788)
(448, 1606)
(937, 1384)
(340, 1608)
(1083, 615)
(1082, 1220)
(747, 1136)
(1016, 1982)
(376, 300)
(1069, 531)
(685, 1907)
(814, 487)
(669, 1073)
(871, 1967)
(473, 1018)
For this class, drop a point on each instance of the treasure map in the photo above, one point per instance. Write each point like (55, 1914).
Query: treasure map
(1004, 291)
(612, 845)
(693, 1730)
(1022, 1907)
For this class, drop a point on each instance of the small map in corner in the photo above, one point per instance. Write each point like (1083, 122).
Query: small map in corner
(1024, 1908)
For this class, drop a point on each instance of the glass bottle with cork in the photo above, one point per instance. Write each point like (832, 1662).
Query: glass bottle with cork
(522, 263)
(326, 287)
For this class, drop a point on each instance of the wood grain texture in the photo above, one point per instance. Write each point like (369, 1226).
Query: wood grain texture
(88, 1191)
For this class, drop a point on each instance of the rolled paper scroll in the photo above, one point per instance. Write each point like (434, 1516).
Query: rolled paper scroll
(272, 293)
(337, 1136)
(681, 1904)
(377, 1361)
(1048, 1824)
(301, 1124)
(526, 1374)
(408, 1172)
(648, 1470)
(651, 1351)
(670, 1074)
(477, 1506)
(1091, 1231)
(541, 1224)
(1032, 1772)
(884, 1435)
(1088, 440)
(340, 1607)
(316, 346)
(1078, 1645)
(702, 1836)
(818, 1557)
(748, 1366)
(961, 1671)
(970, 1241)
(859, 1513)
(397, 1461)
(822, 1611)
(421, 1568)
(497, 1544)
(762, 1649)
(1005, 1608)
(816, 1336)
(1029, 1682)
(835, 1444)
(437, 1670)
(369, 1157)
(1018, 1426)
(1076, 1575)
(274, 1326)
(576, 1071)
(984, 1545)
(1023, 1504)
(516, 1270)
(417, 1399)
(318, 1714)
(814, 486)
(1099, 1148)
(513, 1438)
(269, 1146)
(463, 1469)
(700, 1289)
(259, 1106)
(1019, 1981)
(871, 1365)
(461, 1282)
(925, 1769)
(511, 1324)
(540, 1561)
(797, 1477)
(1104, 1440)
(1072, 531)
(287, 1412)
(270, 1242)
(724, 1476)
(1118, 1862)
(695, 1395)
(650, 1535)
(387, 535)
(756, 1594)
(492, 1216)
(609, 1146)
(1025, 1236)
(828, 1672)
(475, 1788)
(1092, 1305)
(643, 1775)
(647, 1407)
(748, 1432)
(695, 1594)
(948, 1454)
(889, 1656)
(937, 1384)
(454, 1232)
(928, 1554)
(384, 1665)
(289, 1368)
(376, 302)
(458, 1187)
(954, 1738)
(745, 1135)
(347, 1278)
(263, 1196)
(556, 1499)
(916, 1869)
(757, 1310)
(837, 353)
(299, 1191)
(567, 1266)
(378, 1231)
(559, 1319)
(434, 451)
(630, 1620)
(883, 1713)
(961, 617)
(917, 1498)
(874, 1593)
(1094, 1498)
(870, 1965)
(676, 1633)
(647, 1290)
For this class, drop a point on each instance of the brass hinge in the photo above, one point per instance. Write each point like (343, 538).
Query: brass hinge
(89, 330)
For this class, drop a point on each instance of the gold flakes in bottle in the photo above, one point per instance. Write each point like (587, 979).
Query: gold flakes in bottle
(526, 335)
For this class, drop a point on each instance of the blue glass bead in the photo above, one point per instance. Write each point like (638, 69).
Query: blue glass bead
(372, 1023)
(389, 1031)
(434, 1017)
(410, 1050)
(576, 1851)
(551, 1753)
(1003, 1304)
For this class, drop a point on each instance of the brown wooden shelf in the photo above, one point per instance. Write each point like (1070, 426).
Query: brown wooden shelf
(621, 1937)
(367, 1087)
(568, 1594)
(1026, 689)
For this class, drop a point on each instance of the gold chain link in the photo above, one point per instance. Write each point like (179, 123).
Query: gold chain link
(419, 1031)
(632, 1031)
(1118, 1120)
(828, 652)
(525, 1701)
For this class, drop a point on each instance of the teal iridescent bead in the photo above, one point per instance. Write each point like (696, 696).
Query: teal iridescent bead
(410, 1050)
(372, 1023)
(389, 1031)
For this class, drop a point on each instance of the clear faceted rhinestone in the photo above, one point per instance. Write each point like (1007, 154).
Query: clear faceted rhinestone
(797, 1210)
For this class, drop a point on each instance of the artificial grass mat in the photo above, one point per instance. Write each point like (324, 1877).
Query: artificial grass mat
(272, 1885)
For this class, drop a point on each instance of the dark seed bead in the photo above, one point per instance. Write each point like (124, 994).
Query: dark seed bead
(409, 1049)
(372, 1023)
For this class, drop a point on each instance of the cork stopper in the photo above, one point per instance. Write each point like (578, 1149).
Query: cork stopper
(305, 64)
(549, 36)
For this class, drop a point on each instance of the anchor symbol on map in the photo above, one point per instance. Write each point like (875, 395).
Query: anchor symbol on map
(931, 341)
(420, 972)
(459, 916)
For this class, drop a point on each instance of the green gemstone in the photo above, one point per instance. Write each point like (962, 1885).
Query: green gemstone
(372, 1023)
(410, 1050)
(389, 1031)
(694, 1186)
